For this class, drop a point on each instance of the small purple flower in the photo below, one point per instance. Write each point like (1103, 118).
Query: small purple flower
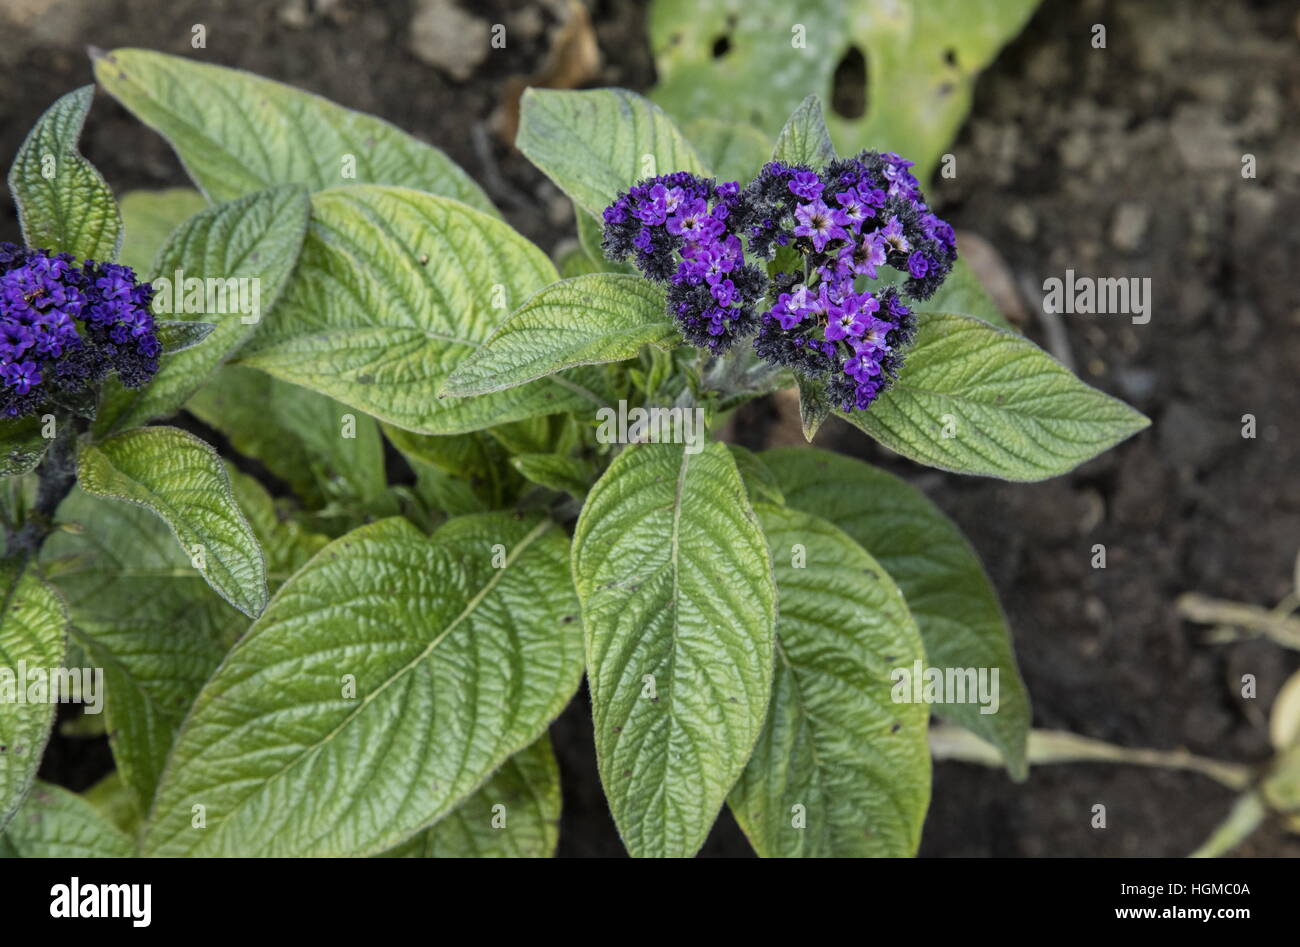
(918, 265)
(820, 224)
(20, 376)
(806, 185)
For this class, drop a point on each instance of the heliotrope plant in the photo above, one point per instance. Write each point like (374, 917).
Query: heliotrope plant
(367, 662)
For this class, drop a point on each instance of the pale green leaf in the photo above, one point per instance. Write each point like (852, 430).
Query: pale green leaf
(461, 649)
(516, 814)
(33, 626)
(64, 204)
(947, 591)
(678, 606)
(804, 138)
(589, 320)
(598, 142)
(394, 288)
(975, 399)
(181, 479)
(841, 770)
(734, 150)
(555, 472)
(236, 133)
(148, 219)
(248, 248)
(55, 823)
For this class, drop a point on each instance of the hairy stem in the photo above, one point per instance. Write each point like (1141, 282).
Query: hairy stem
(57, 475)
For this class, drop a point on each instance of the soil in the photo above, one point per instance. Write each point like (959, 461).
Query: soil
(1123, 161)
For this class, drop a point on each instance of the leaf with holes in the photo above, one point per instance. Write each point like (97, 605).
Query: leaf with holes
(387, 681)
(975, 399)
(181, 479)
(678, 606)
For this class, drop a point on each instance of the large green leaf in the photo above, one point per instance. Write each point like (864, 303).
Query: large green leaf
(253, 240)
(148, 219)
(679, 606)
(604, 317)
(804, 138)
(975, 399)
(237, 133)
(949, 595)
(516, 814)
(755, 60)
(22, 445)
(64, 204)
(394, 288)
(841, 770)
(460, 650)
(55, 823)
(598, 142)
(180, 478)
(734, 150)
(33, 626)
(298, 434)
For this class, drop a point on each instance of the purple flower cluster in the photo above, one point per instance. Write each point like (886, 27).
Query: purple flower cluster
(678, 230)
(829, 233)
(63, 327)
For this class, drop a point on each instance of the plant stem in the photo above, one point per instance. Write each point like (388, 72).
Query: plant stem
(57, 475)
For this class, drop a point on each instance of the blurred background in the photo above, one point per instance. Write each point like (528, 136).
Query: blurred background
(1120, 161)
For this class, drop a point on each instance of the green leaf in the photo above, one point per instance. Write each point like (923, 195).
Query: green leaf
(962, 293)
(922, 60)
(254, 240)
(22, 445)
(459, 654)
(590, 235)
(55, 823)
(32, 630)
(814, 405)
(527, 788)
(734, 150)
(588, 320)
(759, 481)
(297, 434)
(181, 479)
(947, 591)
(804, 139)
(64, 204)
(148, 219)
(178, 336)
(555, 472)
(286, 542)
(237, 133)
(974, 399)
(394, 288)
(598, 142)
(836, 751)
(679, 606)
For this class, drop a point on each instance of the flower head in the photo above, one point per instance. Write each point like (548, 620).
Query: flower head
(64, 326)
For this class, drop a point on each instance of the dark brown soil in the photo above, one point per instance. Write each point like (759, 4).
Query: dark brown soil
(1117, 162)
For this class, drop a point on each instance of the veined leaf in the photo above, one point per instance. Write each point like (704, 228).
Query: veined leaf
(389, 678)
(947, 591)
(598, 142)
(962, 293)
(175, 336)
(64, 204)
(555, 472)
(974, 399)
(678, 606)
(516, 814)
(236, 133)
(22, 445)
(395, 288)
(148, 219)
(181, 479)
(33, 626)
(841, 770)
(243, 252)
(759, 481)
(804, 139)
(55, 823)
(605, 317)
